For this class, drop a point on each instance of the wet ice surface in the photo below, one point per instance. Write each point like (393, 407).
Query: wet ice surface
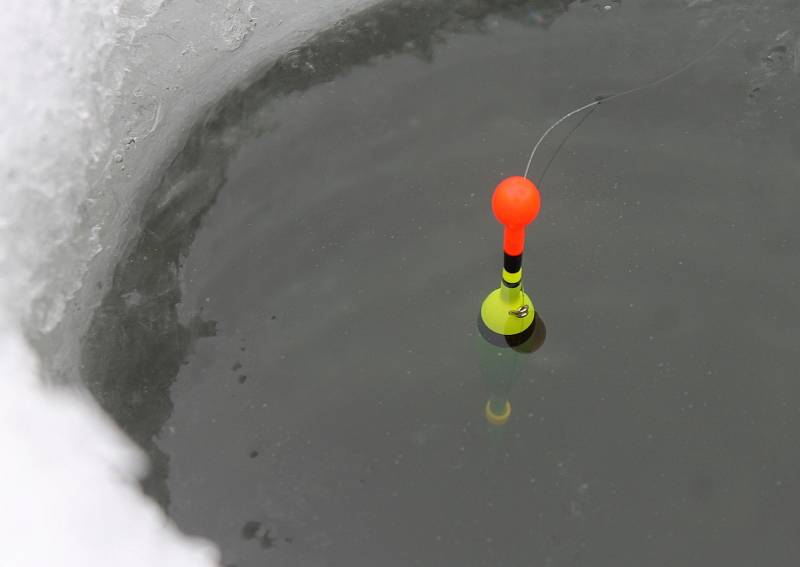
(335, 417)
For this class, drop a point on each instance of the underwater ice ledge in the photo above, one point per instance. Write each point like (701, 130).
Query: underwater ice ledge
(91, 109)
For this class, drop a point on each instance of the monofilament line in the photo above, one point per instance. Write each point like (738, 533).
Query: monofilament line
(552, 127)
(602, 99)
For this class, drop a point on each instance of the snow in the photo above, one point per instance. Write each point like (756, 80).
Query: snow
(94, 94)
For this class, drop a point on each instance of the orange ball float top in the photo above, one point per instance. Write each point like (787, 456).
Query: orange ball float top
(516, 202)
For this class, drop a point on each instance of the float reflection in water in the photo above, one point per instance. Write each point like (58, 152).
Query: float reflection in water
(501, 367)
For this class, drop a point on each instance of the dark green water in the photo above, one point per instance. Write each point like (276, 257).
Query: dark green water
(293, 335)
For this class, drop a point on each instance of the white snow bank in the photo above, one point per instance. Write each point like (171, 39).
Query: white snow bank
(69, 482)
(95, 94)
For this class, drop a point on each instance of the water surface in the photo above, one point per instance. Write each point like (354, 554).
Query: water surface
(317, 398)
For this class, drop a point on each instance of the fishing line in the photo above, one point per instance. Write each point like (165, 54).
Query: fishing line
(583, 119)
(605, 98)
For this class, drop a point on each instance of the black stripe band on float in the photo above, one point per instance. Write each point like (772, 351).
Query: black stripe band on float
(511, 284)
(512, 264)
